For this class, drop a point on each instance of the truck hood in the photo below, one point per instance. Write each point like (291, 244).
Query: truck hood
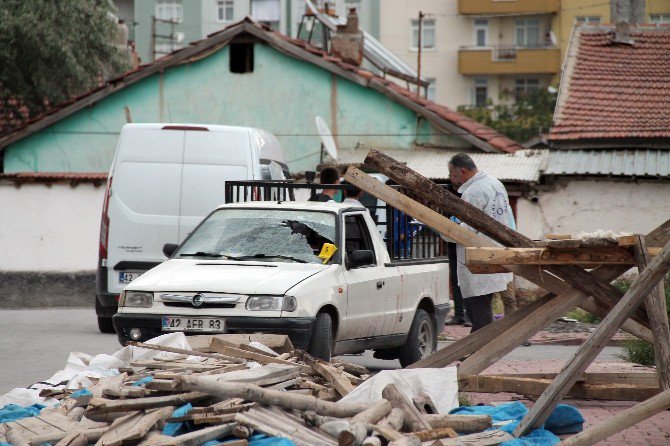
(225, 276)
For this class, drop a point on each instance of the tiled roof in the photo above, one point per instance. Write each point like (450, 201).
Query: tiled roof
(442, 117)
(615, 90)
(523, 166)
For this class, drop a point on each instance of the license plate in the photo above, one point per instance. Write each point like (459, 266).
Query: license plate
(125, 277)
(188, 324)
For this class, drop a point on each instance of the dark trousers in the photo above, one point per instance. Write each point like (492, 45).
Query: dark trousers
(459, 308)
(478, 309)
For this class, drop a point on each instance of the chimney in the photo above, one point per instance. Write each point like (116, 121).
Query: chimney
(624, 14)
(347, 42)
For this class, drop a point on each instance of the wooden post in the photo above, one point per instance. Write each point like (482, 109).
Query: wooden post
(620, 421)
(658, 317)
(643, 285)
(568, 298)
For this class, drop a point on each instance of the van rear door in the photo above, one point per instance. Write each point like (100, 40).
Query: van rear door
(143, 211)
(210, 159)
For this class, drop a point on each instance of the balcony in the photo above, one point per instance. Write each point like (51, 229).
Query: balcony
(507, 7)
(508, 59)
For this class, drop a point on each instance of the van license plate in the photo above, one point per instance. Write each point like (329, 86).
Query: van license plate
(125, 277)
(187, 324)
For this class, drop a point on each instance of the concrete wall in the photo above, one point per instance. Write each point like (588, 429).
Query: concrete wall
(282, 95)
(589, 205)
(49, 228)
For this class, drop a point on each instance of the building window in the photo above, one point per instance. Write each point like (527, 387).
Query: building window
(660, 19)
(170, 10)
(430, 90)
(524, 86)
(587, 20)
(224, 11)
(527, 32)
(241, 58)
(481, 32)
(481, 91)
(267, 12)
(427, 34)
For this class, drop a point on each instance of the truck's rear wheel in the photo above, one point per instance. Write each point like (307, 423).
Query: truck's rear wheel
(321, 345)
(421, 341)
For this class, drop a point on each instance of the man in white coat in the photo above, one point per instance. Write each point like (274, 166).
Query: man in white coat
(488, 194)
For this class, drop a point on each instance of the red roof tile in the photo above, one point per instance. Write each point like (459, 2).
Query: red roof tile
(614, 90)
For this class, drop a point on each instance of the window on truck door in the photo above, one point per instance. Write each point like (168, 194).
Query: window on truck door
(356, 235)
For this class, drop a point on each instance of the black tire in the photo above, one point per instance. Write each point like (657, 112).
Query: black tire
(321, 345)
(421, 341)
(105, 325)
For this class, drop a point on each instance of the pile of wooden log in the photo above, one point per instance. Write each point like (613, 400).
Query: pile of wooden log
(574, 274)
(236, 390)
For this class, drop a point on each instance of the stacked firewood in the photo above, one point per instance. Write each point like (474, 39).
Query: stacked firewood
(235, 391)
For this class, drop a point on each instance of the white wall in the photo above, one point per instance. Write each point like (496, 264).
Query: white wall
(589, 205)
(49, 228)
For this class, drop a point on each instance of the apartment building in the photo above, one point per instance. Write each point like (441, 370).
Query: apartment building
(479, 51)
(158, 27)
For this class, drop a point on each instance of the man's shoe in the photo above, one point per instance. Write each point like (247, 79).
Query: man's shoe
(527, 344)
(467, 323)
(455, 321)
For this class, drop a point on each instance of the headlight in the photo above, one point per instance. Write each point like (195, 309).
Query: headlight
(271, 303)
(136, 299)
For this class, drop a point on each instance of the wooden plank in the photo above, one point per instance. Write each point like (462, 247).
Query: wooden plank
(558, 236)
(220, 346)
(658, 317)
(184, 351)
(413, 420)
(535, 387)
(460, 423)
(643, 285)
(486, 438)
(261, 376)
(133, 426)
(546, 256)
(339, 382)
(279, 398)
(195, 438)
(646, 379)
(620, 421)
(175, 366)
(101, 405)
(278, 343)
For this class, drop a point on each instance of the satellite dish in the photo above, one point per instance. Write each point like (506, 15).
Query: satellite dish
(327, 141)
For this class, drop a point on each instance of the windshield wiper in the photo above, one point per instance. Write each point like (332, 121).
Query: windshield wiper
(201, 254)
(272, 256)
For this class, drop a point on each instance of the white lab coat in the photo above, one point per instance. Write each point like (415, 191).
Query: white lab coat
(488, 194)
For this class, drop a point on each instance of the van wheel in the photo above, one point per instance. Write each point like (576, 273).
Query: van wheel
(321, 345)
(421, 341)
(105, 325)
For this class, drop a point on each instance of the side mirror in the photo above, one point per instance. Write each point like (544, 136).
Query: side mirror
(169, 249)
(361, 257)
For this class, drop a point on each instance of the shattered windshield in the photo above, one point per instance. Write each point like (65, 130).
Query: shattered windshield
(261, 234)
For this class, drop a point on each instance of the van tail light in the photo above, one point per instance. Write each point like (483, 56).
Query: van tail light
(104, 225)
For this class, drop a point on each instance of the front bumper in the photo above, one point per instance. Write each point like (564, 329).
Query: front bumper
(298, 329)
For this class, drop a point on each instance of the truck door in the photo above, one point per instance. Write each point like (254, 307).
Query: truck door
(369, 288)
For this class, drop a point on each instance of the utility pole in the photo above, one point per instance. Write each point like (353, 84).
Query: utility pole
(418, 61)
(153, 38)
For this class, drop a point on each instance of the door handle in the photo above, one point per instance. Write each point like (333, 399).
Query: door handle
(380, 284)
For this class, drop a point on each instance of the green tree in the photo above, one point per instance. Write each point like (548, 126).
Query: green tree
(529, 116)
(53, 50)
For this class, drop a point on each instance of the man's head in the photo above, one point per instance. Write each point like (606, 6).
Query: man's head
(461, 169)
(352, 191)
(329, 175)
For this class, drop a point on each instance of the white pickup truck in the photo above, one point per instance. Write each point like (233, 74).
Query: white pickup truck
(269, 267)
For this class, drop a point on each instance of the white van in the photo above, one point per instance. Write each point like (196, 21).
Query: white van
(165, 178)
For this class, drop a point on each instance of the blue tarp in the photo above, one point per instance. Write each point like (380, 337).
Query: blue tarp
(142, 381)
(174, 429)
(12, 412)
(564, 419)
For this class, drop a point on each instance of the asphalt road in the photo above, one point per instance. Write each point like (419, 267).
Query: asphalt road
(34, 344)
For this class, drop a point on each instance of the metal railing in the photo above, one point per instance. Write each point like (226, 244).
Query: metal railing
(406, 238)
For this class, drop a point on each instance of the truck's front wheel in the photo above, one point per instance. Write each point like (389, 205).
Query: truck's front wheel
(321, 345)
(421, 341)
